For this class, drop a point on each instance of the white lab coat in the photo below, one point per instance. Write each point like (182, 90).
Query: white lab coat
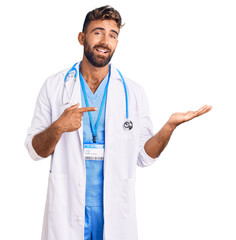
(124, 149)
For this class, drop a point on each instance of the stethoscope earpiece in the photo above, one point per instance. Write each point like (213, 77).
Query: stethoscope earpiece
(128, 125)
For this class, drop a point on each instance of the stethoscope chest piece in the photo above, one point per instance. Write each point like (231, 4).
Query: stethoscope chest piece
(128, 125)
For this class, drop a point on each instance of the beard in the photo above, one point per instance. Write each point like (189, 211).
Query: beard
(97, 61)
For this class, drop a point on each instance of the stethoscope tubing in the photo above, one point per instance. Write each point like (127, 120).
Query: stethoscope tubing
(128, 124)
(126, 94)
(72, 69)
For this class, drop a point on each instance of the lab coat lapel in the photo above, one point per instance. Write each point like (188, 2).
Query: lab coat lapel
(111, 111)
(76, 98)
(75, 92)
(112, 94)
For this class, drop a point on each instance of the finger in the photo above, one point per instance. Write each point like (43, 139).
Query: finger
(78, 114)
(73, 106)
(203, 110)
(87, 109)
(207, 109)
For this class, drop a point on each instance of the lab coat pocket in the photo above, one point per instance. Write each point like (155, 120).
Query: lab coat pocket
(127, 197)
(57, 192)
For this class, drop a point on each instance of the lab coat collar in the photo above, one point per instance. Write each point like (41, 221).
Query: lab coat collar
(114, 73)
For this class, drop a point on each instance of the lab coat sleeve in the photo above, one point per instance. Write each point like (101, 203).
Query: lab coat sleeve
(42, 119)
(145, 133)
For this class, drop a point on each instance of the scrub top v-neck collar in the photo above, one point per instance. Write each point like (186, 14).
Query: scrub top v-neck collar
(99, 91)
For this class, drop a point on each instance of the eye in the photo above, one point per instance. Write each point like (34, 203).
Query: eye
(98, 33)
(113, 36)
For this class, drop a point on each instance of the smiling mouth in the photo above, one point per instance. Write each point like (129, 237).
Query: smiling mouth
(101, 51)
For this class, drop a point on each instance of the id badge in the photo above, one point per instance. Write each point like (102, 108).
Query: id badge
(94, 151)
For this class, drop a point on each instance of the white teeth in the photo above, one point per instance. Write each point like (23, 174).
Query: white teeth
(100, 50)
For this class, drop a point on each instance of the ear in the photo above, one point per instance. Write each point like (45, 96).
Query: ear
(81, 38)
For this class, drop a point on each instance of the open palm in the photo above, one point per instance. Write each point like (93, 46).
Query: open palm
(178, 118)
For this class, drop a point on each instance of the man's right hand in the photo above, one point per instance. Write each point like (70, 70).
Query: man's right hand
(45, 142)
(71, 118)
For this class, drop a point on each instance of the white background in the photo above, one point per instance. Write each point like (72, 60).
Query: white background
(184, 54)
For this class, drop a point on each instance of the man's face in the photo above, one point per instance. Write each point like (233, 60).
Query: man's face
(100, 41)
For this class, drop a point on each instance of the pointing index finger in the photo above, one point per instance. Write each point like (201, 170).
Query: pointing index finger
(87, 109)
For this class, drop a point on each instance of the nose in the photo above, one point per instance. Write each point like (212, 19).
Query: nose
(105, 40)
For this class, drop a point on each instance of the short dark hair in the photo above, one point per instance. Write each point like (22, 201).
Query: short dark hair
(103, 13)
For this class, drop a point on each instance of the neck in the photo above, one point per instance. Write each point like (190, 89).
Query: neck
(93, 75)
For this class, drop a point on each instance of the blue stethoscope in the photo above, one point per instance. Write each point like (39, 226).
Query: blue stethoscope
(128, 125)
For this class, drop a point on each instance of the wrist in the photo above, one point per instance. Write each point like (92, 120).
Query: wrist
(171, 125)
(57, 128)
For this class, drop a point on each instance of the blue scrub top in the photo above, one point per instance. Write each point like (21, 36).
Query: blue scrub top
(94, 168)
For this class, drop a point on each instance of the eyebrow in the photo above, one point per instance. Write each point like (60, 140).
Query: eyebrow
(100, 28)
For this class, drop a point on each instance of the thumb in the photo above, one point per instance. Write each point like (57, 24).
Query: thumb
(73, 106)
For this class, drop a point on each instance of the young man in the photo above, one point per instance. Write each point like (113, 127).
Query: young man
(97, 129)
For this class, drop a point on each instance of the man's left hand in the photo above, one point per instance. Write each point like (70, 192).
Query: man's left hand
(178, 118)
